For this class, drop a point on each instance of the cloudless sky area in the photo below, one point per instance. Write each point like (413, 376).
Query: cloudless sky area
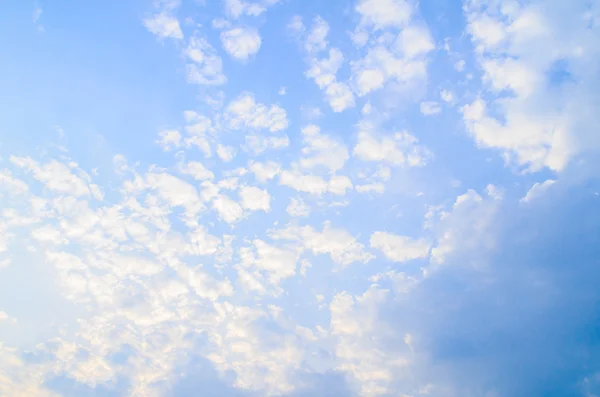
(339, 198)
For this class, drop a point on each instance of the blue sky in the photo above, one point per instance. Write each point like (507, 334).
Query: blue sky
(296, 198)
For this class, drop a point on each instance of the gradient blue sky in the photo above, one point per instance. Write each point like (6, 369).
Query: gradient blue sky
(300, 197)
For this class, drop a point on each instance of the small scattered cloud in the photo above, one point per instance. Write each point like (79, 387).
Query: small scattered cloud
(430, 108)
(241, 43)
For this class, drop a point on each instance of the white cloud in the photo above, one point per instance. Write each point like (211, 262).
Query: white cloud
(358, 333)
(322, 150)
(430, 108)
(447, 96)
(257, 144)
(381, 14)
(13, 185)
(225, 153)
(459, 65)
(169, 139)
(340, 245)
(296, 26)
(237, 8)
(323, 72)
(381, 64)
(400, 149)
(537, 190)
(202, 243)
(339, 96)
(241, 43)
(399, 248)
(54, 175)
(207, 66)
(312, 184)
(414, 41)
(535, 121)
(227, 209)
(220, 23)
(255, 199)
(197, 170)
(316, 40)
(176, 192)
(297, 207)
(245, 112)
(49, 234)
(277, 263)
(376, 187)
(397, 50)
(264, 171)
(204, 285)
(163, 25)
(338, 184)
(465, 226)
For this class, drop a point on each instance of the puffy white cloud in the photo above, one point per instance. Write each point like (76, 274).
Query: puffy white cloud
(340, 97)
(207, 66)
(447, 96)
(257, 144)
(197, 170)
(228, 210)
(241, 43)
(399, 248)
(49, 234)
(163, 25)
(316, 40)
(237, 8)
(169, 139)
(204, 285)
(13, 185)
(172, 189)
(202, 243)
(400, 149)
(54, 175)
(381, 14)
(533, 119)
(277, 263)
(398, 50)
(314, 184)
(225, 153)
(465, 226)
(340, 245)
(381, 64)
(338, 184)
(245, 112)
(414, 41)
(297, 207)
(303, 183)
(255, 199)
(358, 333)
(264, 171)
(323, 72)
(322, 150)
